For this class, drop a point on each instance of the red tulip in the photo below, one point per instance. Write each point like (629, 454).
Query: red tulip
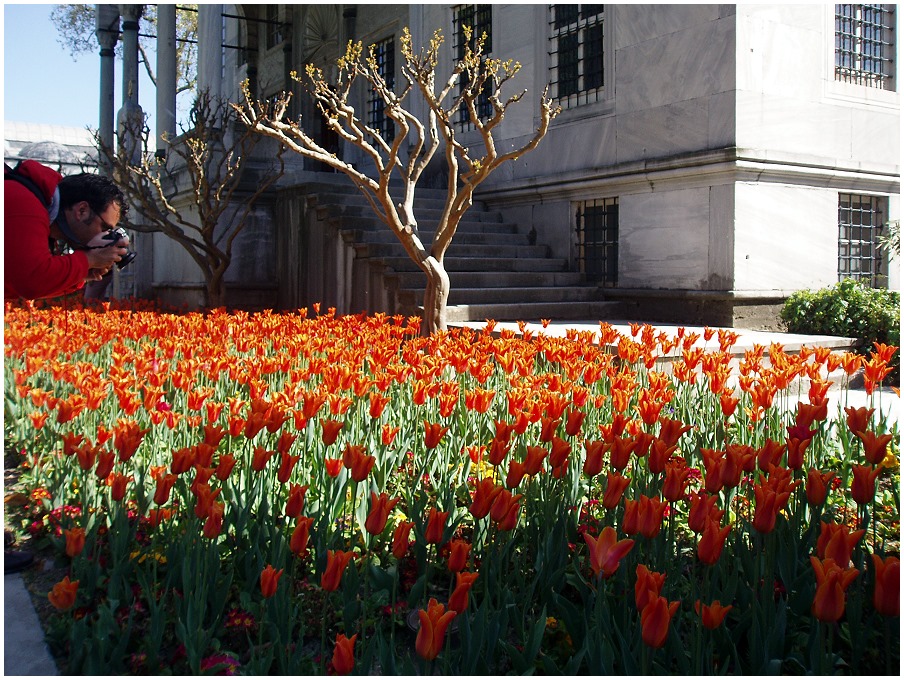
(224, 467)
(837, 541)
(533, 461)
(295, 502)
(573, 422)
(118, 487)
(344, 654)
(506, 509)
(432, 632)
(270, 581)
(458, 555)
(381, 506)
(670, 431)
(299, 539)
(593, 462)
(858, 419)
(458, 600)
(655, 620)
(605, 552)
(433, 434)
(703, 507)
(400, 539)
(887, 591)
(647, 587)
(336, 562)
(164, 486)
(709, 547)
(615, 489)
(436, 525)
(818, 486)
(874, 447)
(260, 458)
(559, 452)
(831, 583)
(287, 464)
(75, 541)
(63, 594)
(713, 614)
(863, 486)
(676, 481)
(485, 492)
(214, 522)
(330, 430)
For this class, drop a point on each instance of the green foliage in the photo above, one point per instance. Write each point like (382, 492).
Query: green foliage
(848, 309)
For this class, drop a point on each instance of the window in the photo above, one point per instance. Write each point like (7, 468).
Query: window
(384, 55)
(597, 240)
(864, 45)
(273, 27)
(860, 222)
(576, 53)
(480, 19)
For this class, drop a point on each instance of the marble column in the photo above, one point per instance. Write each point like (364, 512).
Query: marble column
(107, 32)
(166, 76)
(210, 49)
(130, 119)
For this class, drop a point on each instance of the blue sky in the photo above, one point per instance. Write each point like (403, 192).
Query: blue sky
(42, 83)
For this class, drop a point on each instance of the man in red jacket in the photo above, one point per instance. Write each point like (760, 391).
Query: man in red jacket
(75, 210)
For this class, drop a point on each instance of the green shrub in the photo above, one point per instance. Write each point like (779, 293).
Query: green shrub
(848, 309)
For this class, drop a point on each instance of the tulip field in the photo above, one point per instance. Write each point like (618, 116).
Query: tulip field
(305, 493)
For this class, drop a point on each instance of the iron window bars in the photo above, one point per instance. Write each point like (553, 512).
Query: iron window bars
(597, 240)
(480, 19)
(860, 222)
(576, 53)
(384, 54)
(864, 45)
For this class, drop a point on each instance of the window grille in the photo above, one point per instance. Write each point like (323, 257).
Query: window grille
(597, 240)
(384, 54)
(576, 53)
(860, 222)
(480, 19)
(864, 45)
(273, 27)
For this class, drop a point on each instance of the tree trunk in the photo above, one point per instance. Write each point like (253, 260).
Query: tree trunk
(436, 294)
(216, 290)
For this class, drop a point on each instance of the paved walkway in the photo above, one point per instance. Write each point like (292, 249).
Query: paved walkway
(24, 651)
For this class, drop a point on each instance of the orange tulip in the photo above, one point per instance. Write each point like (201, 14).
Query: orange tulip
(593, 463)
(837, 541)
(260, 458)
(400, 539)
(887, 590)
(295, 501)
(863, 486)
(458, 600)
(381, 506)
(533, 461)
(676, 481)
(224, 466)
(433, 434)
(559, 452)
(163, 488)
(485, 492)
(458, 555)
(654, 621)
(436, 525)
(287, 464)
(831, 583)
(858, 419)
(270, 581)
(299, 539)
(516, 472)
(709, 547)
(333, 466)
(214, 522)
(75, 541)
(818, 486)
(605, 552)
(506, 509)
(670, 431)
(336, 562)
(620, 452)
(62, 596)
(660, 453)
(344, 654)
(118, 486)
(874, 447)
(432, 632)
(713, 614)
(703, 507)
(573, 422)
(615, 489)
(647, 587)
(330, 430)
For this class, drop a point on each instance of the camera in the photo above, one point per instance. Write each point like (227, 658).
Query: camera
(112, 237)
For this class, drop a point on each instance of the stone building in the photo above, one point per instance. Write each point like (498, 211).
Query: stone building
(708, 161)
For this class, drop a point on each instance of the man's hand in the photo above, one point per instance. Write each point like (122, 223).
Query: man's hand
(105, 258)
(96, 274)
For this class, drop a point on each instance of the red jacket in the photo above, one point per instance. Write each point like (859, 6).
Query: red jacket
(30, 269)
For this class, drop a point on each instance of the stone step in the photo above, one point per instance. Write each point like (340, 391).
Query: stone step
(487, 238)
(485, 264)
(415, 279)
(356, 198)
(421, 214)
(534, 311)
(510, 295)
(462, 249)
(374, 224)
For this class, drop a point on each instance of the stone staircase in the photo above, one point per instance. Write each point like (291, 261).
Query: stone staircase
(495, 271)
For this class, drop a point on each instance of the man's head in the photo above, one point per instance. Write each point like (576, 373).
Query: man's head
(89, 205)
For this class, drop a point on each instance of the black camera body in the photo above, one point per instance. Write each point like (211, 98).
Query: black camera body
(114, 236)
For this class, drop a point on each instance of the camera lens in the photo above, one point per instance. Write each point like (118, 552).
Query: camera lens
(126, 259)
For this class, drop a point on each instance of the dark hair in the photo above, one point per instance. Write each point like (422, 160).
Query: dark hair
(98, 190)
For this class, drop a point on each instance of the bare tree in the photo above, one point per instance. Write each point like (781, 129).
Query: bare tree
(209, 162)
(473, 76)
